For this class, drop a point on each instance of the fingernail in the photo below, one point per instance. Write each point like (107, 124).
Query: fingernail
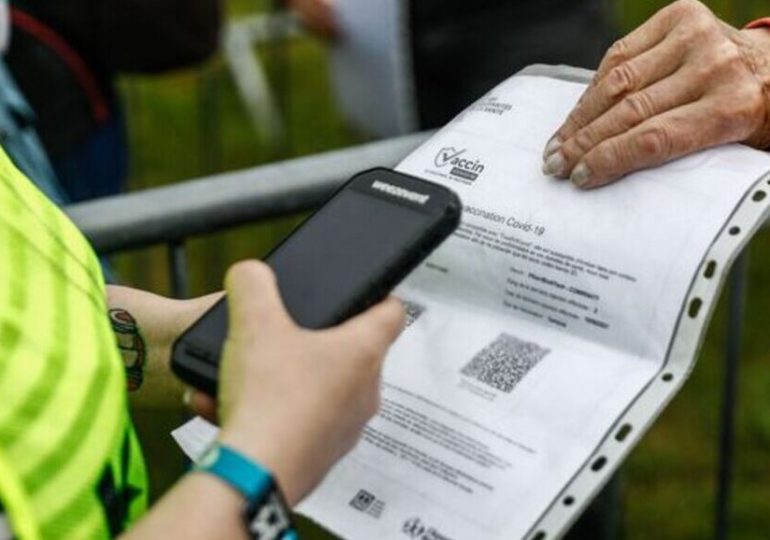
(554, 165)
(553, 145)
(187, 397)
(581, 175)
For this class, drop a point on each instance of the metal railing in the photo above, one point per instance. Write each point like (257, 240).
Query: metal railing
(175, 212)
(169, 215)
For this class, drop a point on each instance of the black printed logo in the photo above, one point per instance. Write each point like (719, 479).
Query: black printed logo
(367, 503)
(363, 500)
(417, 530)
(414, 528)
(446, 155)
(457, 165)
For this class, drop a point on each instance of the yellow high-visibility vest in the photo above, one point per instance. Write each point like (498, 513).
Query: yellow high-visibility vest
(70, 464)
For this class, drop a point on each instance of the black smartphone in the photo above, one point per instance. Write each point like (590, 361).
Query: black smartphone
(344, 258)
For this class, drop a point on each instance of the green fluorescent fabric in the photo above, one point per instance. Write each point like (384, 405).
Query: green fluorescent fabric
(70, 465)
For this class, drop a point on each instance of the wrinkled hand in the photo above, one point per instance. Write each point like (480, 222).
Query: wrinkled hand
(318, 15)
(296, 400)
(681, 82)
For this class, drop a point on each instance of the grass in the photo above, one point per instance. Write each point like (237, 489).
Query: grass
(669, 478)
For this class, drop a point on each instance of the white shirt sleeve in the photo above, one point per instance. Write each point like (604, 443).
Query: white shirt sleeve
(5, 26)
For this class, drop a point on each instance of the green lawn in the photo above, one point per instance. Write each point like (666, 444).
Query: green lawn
(669, 479)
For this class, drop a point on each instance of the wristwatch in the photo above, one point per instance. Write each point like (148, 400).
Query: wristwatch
(265, 513)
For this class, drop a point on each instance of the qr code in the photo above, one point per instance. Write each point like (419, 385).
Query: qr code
(413, 312)
(505, 362)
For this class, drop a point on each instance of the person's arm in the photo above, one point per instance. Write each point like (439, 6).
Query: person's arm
(682, 82)
(318, 15)
(292, 400)
(145, 327)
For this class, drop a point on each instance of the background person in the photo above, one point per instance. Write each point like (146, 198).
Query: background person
(17, 133)
(460, 49)
(65, 55)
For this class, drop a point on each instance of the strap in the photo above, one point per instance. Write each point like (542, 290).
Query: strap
(249, 478)
(265, 513)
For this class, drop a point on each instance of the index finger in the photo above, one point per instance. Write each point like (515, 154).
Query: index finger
(640, 40)
(623, 81)
(252, 297)
(665, 137)
(646, 37)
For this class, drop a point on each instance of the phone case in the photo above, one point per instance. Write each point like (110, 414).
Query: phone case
(196, 353)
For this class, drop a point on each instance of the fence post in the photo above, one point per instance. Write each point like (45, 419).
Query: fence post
(177, 267)
(737, 303)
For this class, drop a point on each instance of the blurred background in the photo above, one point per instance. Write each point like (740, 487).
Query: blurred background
(194, 122)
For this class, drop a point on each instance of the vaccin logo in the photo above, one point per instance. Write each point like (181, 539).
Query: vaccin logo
(447, 155)
(461, 168)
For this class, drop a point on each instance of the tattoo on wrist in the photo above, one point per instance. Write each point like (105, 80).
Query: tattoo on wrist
(132, 346)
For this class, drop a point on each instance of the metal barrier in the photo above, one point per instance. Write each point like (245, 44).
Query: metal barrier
(169, 215)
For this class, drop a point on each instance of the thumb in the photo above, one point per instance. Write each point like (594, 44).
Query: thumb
(377, 327)
(253, 298)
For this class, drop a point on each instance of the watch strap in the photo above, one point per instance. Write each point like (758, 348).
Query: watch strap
(240, 472)
(265, 513)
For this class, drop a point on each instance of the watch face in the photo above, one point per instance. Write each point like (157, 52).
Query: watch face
(268, 519)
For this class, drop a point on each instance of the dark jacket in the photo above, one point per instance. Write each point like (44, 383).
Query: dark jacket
(64, 55)
(461, 49)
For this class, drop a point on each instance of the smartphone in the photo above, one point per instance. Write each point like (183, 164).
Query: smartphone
(344, 258)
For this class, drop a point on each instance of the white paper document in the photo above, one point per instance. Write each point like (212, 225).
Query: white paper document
(531, 330)
(371, 67)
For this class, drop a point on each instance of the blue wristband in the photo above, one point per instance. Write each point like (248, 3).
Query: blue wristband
(240, 472)
(265, 513)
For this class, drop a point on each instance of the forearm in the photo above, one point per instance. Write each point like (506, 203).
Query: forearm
(146, 326)
(206, 505)
(291, 401)
(199, 507)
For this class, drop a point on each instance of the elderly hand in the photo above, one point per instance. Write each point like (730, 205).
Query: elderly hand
(682, 82)
(318, 15)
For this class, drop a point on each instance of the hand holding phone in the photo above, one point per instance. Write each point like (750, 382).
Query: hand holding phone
(344, 258)
(297, 436)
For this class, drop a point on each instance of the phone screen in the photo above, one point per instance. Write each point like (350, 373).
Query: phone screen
(336, 254)
(332, 258)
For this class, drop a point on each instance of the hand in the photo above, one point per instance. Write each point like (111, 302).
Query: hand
(296, 400)
(292, 399)
(681, 82)
(318, 15)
